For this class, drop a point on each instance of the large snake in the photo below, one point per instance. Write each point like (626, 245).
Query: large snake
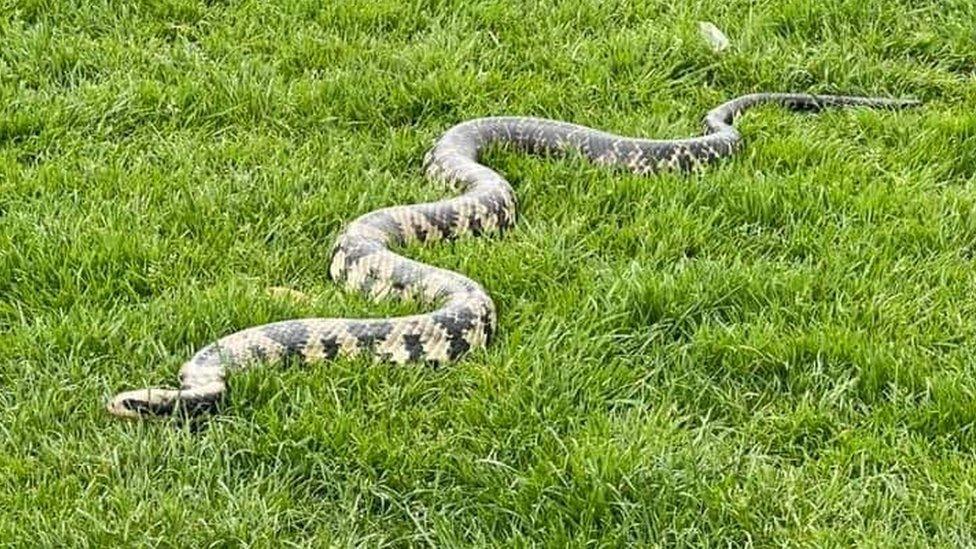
(465, 318)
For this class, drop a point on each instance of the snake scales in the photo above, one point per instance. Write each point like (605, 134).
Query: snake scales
(465, 318)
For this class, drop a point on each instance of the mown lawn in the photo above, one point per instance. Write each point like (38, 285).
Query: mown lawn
(778, 350)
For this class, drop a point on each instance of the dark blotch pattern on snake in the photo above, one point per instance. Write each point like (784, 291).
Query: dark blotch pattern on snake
(465, 318)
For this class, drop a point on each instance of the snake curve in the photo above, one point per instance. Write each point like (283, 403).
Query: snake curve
(465, 318)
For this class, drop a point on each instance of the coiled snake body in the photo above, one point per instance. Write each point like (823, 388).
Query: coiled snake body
(465, 318)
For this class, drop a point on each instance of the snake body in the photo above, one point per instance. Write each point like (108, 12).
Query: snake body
(465, 316)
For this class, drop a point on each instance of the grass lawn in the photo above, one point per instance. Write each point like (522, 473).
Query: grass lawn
(777, 350)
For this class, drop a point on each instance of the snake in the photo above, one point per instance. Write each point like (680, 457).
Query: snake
(463, 315)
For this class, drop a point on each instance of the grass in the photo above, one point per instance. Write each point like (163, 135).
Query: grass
(777, 351)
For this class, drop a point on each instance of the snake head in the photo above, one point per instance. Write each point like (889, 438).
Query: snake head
(189, 401)
(143, 403)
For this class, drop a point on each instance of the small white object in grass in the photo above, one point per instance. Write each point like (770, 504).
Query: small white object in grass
(713, 35)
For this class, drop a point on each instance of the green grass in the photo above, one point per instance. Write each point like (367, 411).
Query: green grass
(778, 350)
